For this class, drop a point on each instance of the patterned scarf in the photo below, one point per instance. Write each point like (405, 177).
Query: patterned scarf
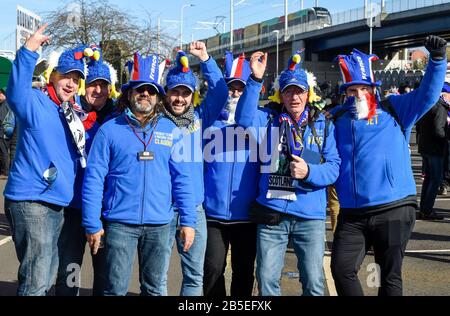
(184, 120)
(290, 143)
(74, 122)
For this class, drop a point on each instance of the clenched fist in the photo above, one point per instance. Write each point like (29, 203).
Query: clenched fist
(436, 46)
(299, 168)
(198, 49)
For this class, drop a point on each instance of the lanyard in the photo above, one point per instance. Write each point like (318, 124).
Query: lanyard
(137, 135)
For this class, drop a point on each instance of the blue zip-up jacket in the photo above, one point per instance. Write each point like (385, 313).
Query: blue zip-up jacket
(76, 202)
(231, 172)
(130, 191)
(311, 204)
(44, 142)
(376, 164)
(205, 115)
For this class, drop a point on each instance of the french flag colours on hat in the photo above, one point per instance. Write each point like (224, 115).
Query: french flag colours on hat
(356, 69)
(236, 69)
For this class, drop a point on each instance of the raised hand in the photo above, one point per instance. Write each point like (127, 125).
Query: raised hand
(198, 49)
(258, 64)
(436, 46)
(35, 41)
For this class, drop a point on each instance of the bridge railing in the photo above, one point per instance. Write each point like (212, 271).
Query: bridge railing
(353, 15)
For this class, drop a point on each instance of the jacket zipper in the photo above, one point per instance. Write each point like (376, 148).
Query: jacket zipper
(143, 191)
(353, 163)
(230, 188)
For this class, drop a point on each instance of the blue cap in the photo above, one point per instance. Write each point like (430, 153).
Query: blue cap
(73, 60)
(144, 71)
(356, 69)
(294, 75)
(181, 74)
(236, 69)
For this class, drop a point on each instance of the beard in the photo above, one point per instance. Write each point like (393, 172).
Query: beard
(362, 108)
(230, 107)
(142, 106)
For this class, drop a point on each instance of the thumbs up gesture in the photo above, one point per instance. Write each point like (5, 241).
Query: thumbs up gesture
(299, 168)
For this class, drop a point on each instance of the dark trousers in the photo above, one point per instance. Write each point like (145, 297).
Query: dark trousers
(434, 172)
(388, 233)
(242, 238)
(71, 246)
(4, 157)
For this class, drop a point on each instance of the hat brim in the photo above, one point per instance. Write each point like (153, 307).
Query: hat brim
(180, 85)
(137, 84)
(98, 78)
(358, 82)
(230, 80)
(304, 88)
(74, 70)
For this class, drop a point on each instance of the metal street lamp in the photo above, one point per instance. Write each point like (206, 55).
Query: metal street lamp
(181, 23)
(278, 33)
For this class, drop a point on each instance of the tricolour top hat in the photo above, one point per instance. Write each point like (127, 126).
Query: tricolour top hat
(98, 69)
(236, 69)
(356, 69)
(145, 71)
(294, 75)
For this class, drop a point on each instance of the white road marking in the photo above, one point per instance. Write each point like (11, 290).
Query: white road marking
(328, 276)
(5, 240)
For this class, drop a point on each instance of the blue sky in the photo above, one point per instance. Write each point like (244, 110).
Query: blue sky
(246, 12)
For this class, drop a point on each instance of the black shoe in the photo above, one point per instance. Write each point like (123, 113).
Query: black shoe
(433, 216)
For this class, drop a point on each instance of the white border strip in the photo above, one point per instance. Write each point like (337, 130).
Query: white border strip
(328, 276)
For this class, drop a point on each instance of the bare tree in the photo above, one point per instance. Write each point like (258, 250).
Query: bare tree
(100, 22)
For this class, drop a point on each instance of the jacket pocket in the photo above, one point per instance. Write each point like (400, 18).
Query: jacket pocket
(111, 193)
(389, 172)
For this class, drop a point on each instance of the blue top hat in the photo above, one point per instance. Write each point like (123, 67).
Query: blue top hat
(181, 74)
(73, 60)
(356, 69)
(294, 75)
(236, 69)
(144, 71)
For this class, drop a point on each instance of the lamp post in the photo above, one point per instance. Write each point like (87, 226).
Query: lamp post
(231, 24)
(277, 32)
(181, 23)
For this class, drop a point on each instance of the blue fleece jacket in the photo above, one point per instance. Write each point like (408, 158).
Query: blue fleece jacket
(46, 162)
(309, 204)
(131, 191)
(376, 164)
(205, 115)
(231, 172)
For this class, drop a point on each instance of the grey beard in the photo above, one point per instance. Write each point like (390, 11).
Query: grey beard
(230, 107)
(362, 108)
(136, 106)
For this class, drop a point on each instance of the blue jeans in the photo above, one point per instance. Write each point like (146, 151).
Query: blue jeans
(71, 246)
(35, 229)
(192, 261)
(434, 173)
(308, 240)
(121, 243)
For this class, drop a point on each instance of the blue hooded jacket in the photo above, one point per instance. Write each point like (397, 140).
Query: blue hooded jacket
(46, 159)
(309, 204)
(205, 115)
(376, 164)
(126, 190)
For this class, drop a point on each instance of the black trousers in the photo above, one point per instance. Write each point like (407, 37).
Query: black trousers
(242, 239)
(4, 157)
(388, 233)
